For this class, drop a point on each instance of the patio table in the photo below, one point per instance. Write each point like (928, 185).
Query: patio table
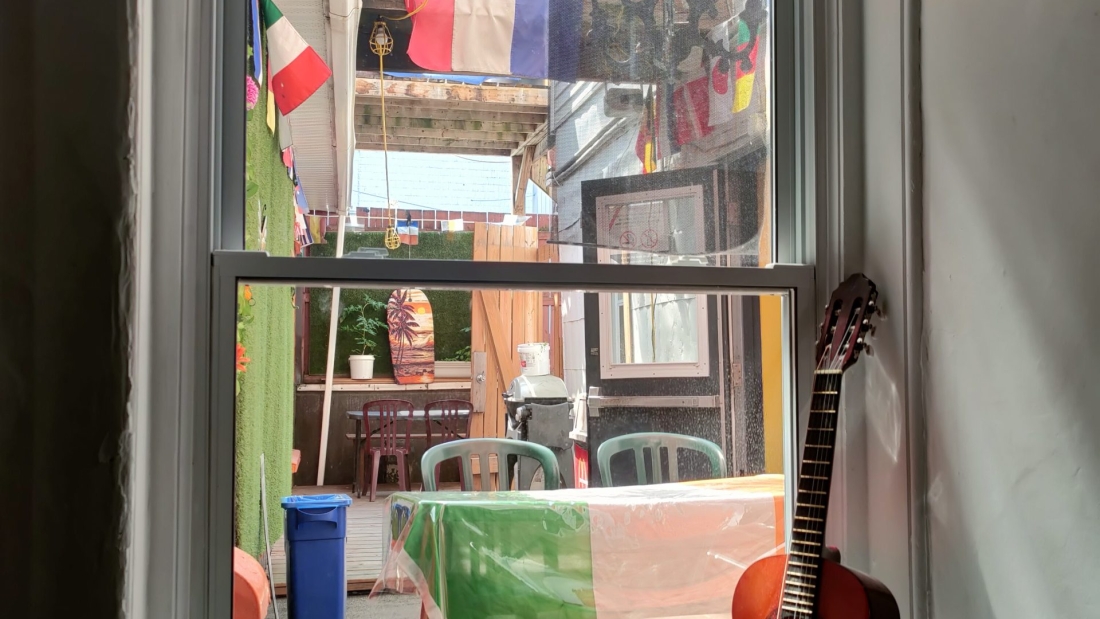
(668, 550)
(357, 416)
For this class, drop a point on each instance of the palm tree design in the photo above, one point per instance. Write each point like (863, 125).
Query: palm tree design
(402, 322)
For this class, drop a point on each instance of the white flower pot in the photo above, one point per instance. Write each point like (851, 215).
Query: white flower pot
(452, 369)
(362, 367)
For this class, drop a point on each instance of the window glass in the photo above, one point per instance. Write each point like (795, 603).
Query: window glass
(612, 98)
(528, 372)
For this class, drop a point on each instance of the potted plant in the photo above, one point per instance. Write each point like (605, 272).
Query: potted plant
(455, 366)
(361, 322)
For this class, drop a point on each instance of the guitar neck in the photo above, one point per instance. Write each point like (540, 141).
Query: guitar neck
(812, 501)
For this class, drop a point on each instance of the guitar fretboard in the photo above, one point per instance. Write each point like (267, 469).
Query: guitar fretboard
(800, 583)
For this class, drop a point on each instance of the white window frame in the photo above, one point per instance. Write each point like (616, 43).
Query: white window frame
(611, 370)
(195, 163)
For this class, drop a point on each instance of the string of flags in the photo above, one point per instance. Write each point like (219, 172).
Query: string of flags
(294, 72)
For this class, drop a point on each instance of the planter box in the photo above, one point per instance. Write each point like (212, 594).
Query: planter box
(452, 369)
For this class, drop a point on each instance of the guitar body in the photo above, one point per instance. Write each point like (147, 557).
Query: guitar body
(844, 593)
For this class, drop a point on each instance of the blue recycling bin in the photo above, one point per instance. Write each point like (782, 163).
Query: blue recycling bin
(315, 532)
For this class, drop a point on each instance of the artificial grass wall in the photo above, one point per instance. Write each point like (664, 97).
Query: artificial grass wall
(450, 308)
(265, 403)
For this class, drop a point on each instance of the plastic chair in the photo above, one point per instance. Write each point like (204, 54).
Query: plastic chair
(465, 449)
(390, 439)
(654, 441)
(452, 426)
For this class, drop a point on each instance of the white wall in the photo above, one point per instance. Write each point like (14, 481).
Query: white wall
(1012, 306)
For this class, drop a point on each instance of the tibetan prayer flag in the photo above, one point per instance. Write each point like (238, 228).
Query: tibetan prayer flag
(297, 71)
(409, 232)
(747, 47)
(490, 37)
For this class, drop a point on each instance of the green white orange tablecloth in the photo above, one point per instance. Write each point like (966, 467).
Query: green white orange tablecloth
(671, 550)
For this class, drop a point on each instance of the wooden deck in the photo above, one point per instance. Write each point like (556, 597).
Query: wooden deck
(365, 544)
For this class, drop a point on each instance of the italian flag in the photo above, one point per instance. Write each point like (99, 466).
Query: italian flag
(296, 70)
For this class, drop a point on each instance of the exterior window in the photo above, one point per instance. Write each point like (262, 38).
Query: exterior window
(653, 334)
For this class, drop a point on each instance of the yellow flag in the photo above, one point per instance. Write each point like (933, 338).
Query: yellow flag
(270, 108)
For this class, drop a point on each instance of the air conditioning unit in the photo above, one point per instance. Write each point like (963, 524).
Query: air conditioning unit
(623, 101)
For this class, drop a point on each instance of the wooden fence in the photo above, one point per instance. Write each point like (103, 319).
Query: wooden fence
(502, 320)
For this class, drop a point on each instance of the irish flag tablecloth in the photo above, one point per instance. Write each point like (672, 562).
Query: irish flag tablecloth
(670, 550)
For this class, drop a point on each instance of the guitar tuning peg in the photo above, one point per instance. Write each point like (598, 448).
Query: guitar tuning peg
(870, 352)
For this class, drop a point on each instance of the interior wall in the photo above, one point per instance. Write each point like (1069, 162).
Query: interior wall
(65, 307)
(1012, 167)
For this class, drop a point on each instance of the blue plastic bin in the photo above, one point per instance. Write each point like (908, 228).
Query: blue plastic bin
(315, 532)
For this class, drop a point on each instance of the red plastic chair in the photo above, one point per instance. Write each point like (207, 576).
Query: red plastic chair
(452, 426)
(391, 441)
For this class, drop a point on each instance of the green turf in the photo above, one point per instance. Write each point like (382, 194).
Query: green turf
(265, 404)
(450, 308)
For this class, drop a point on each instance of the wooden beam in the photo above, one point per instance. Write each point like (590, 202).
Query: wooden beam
(383, 5)
(456, 104)
(520, 176)
(396, 141)
(425, 121)
(452, 150)
(484, 112)
(534, 139)
(419, 90)
(443, 134)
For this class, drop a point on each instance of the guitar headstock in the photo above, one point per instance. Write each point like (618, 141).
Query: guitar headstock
(847, 323)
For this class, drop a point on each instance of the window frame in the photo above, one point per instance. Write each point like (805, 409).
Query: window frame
(198, 118)
(611, 370)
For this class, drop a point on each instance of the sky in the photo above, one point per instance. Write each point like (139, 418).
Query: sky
(441, 182)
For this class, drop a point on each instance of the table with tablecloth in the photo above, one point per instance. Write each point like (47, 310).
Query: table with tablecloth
(669, 550)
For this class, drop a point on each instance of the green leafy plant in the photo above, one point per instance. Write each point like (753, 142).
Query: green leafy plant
(462, 354)
(361, 322)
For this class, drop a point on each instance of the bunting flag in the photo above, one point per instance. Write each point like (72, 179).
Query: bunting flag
(255, 39)
(451, 226)
(286, 139)
(747, 47)
(316, 226)
(297, 71)
(409, 232)
(300, 198)
(270, 111)
(691, 110)
(646, 145)
(490, 37)
(721, 92)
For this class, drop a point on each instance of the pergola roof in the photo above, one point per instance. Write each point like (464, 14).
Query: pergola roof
(436, 116)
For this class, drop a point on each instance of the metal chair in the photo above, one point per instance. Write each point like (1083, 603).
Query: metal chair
(654, 441)
(390, 439)
(465, 449)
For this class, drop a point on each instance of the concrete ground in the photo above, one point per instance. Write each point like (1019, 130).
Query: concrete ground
(386, 606)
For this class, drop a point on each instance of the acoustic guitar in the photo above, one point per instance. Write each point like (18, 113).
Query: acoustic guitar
(808, 582)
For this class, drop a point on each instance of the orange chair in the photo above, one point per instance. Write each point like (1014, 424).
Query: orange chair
(251, 591)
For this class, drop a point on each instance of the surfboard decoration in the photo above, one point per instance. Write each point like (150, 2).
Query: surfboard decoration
(412, 337)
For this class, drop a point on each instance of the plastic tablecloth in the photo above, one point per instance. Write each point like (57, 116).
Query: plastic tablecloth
(669, 550)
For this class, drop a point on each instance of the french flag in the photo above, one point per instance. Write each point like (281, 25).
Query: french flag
(488, 37)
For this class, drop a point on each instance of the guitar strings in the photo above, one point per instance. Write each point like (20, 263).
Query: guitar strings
(831, 383)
